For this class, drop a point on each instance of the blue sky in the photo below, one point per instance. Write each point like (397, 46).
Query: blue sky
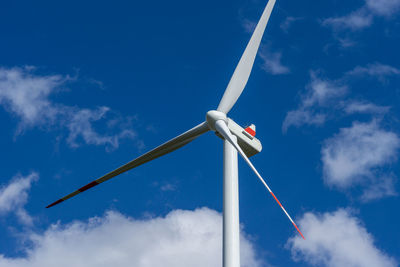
(87, 87)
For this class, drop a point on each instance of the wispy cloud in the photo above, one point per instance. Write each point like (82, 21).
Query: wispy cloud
(272, 62)
(182, 238)
(365, 107)
(27, 96)
(288, 22)
(81, 125)
(319, 94)
(356, 20)
(383, 7)
(248, 25)
(323, 97)
(356, 156)
(364, 16)
(14, 196)
(361, 155)
(337, 239)
(375, 70)
(302, 117)
(322, 91)
(166, 186)
(382, 187)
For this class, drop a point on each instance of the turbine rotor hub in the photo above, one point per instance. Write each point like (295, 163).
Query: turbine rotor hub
(213, 116)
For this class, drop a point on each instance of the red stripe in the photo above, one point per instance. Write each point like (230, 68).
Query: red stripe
(88, 186)
(276, 199)
(299, 231)
(55, 203)
(250, 131)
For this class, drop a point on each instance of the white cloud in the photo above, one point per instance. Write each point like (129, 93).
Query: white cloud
(81, 125)
(356, 155)
(288, 22)
(302, 117)
(14, 196)
(364, 16)
(168, 187)
(320, 93)
(335, 240)
(272, 62)
(28, 97)
(345, 41)
(248, 25)
(354, 21)
(182, 238)
(383, 7)
(364, 107)
(376, 70)
(323, 97)
(383, 187)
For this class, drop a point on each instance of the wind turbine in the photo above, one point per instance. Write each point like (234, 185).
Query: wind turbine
(236, 140)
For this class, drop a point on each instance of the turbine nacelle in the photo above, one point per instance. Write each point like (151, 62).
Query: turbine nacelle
(213, 116)
(248, 143)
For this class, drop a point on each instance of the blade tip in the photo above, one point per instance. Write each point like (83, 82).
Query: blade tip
(298, 230)
(55, 203)
(301, 234)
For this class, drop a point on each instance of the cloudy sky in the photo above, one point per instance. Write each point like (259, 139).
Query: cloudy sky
(87, 87)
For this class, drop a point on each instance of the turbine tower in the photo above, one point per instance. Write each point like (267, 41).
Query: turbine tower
(236, 140)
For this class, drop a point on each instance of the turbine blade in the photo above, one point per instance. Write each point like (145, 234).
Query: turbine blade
(223, 129)
(243, 70)
(166, 148)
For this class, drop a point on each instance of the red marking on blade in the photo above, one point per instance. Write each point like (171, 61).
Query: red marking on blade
(250, 131)
(88, 186)
(55, 203)
(299, 231)
(276, 199)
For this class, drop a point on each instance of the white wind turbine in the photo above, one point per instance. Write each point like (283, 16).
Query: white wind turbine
(236, 139)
